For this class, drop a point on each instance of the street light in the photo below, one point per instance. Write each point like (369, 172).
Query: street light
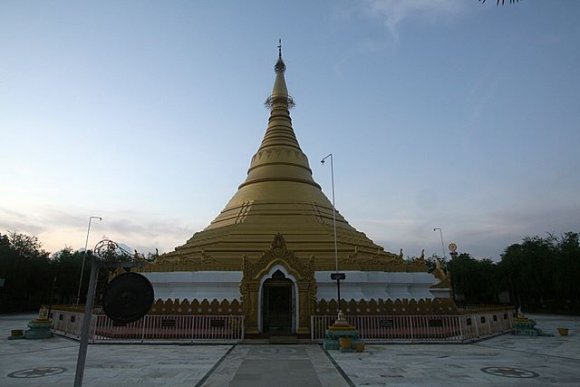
(336, 275)
(442, 245)
(85, 256)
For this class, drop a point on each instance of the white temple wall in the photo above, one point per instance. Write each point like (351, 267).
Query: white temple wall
(198, 285)
(376, 285)
(357, 285)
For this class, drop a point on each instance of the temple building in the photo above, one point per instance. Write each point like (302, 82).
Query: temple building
(276, 243)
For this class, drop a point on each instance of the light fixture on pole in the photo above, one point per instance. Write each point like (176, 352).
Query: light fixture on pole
(336, 275)
(85, 256)
(442, 244)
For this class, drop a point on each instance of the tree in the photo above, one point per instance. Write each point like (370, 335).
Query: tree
(544, 273)
(27, 272)
(66, 266)
(476, 280)
(25, 245)
(567, 270)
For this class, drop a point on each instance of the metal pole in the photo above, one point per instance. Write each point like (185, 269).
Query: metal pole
(338, 291)
(86, 325)
(334, 223)
(453, 254)
(442, 245)
(334, 214)
(85, 256)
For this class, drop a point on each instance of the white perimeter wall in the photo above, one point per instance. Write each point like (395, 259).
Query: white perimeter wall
(358, 285)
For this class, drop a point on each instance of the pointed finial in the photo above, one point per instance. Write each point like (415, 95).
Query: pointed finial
(279, 48)
(279, 92)
(280, 66)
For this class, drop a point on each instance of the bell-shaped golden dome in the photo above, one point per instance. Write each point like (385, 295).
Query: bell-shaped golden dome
(279, 195)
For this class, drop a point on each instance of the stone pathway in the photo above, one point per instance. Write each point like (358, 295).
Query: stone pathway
(276, 365)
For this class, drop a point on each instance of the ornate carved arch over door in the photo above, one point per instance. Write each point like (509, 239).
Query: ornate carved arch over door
(254, 274)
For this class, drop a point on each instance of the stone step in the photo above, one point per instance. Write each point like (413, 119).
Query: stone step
(283, 340)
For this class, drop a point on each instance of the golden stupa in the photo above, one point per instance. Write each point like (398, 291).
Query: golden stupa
(277, 226)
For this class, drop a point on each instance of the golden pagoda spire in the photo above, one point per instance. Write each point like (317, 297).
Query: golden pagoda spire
(279, 196)
(279, 157)
(280, 91)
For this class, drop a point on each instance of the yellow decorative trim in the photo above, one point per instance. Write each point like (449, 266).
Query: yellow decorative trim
(253, 273)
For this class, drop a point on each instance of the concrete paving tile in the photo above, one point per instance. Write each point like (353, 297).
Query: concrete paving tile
(554, 359)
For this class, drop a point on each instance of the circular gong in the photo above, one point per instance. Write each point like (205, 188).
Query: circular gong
(128, 297)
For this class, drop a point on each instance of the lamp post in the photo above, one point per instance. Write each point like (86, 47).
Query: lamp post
(85, 256)
(453, 252)
(442, 244)
(336, 275)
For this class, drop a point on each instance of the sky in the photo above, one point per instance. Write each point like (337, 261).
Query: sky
(447, 114)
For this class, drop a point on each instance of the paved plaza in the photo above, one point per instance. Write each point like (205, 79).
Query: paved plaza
(501, 361)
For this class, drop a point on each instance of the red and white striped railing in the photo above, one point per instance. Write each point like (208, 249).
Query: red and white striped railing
(230, 328)
(151, 328)
(421, 328)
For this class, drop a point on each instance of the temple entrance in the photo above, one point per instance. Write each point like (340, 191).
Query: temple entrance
(278, 304)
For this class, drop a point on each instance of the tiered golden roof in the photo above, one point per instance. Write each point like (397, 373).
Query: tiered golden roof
(279, 195)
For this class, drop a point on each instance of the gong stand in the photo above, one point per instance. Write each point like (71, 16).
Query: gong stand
(121, 294)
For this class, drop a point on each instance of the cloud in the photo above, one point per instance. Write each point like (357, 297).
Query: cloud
(19, 222)
(481, 231)
(57, 228)
(145, 233)
(394, 12)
